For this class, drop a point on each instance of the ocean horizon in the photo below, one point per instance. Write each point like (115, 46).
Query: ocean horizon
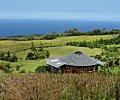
(15, 27)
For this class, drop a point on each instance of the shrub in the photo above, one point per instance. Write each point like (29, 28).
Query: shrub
(8, 56)
(7, 68)
(13, 58)
(41, 69)
(18, 67)
(72, 32)
(110, 55)
(47, 53)
(31, 56)
(50, 36)
(2, 53)
(37, 53)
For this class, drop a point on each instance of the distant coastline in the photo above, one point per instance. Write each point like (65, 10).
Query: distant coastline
(15, 27)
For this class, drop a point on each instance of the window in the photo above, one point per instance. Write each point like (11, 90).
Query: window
(68, 68)
(81, 69)
(90, 69)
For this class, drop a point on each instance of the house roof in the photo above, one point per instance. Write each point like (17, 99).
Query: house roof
(75, 59)
(55, 62)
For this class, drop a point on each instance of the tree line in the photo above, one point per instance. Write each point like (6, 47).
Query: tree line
(53, 35)
(95, 44)
(36, 53)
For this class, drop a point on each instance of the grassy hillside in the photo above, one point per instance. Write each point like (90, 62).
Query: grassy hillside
(31, 65)
(16, 45)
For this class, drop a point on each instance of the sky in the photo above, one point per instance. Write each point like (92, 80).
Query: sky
(60, 9)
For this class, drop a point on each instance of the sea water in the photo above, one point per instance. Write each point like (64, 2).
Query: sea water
(14, 27)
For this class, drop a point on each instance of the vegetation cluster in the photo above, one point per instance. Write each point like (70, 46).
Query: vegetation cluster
(37, 53)
(50, 36)
(109, 55)
(8, 56)
(7, 68)
(42, 69)
(95, 44)
(76, 32)
(53, 35)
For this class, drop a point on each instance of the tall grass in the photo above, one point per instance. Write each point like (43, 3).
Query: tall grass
(60, 87)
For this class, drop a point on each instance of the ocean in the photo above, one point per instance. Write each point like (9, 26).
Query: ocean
(14, 27)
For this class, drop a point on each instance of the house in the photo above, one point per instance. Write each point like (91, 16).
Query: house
(74, 63)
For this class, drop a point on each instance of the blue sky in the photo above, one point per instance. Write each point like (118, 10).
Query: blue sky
(60, 9)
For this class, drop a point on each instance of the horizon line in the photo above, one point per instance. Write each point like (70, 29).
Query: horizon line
(57, 19)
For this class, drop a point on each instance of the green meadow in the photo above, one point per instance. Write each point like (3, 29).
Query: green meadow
(60, 41)
(58, 50)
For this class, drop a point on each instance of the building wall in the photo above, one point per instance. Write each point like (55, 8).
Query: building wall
(77, 69)
(72, 69)
(86, 69)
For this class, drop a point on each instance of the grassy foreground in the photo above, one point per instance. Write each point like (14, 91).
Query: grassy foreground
(60, 87)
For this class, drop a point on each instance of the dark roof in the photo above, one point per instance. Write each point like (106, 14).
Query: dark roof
(76, 59)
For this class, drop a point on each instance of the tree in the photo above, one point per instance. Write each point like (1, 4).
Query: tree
(37, 53)
(47, 53)
(13, 57)
(50, 36)
(8, 56)
(33, 47)
(111, 56)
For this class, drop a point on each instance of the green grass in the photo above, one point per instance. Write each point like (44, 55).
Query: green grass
(30, 65)
(16, 45)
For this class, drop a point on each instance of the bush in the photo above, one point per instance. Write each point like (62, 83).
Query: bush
(8, 56)
(110, 55)
(50, 36)
(41, 69)
(72, 32)
(37, 53)
(13, 58)
(18, 67)
(31, 56)
(7, 68)
(47, 53)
